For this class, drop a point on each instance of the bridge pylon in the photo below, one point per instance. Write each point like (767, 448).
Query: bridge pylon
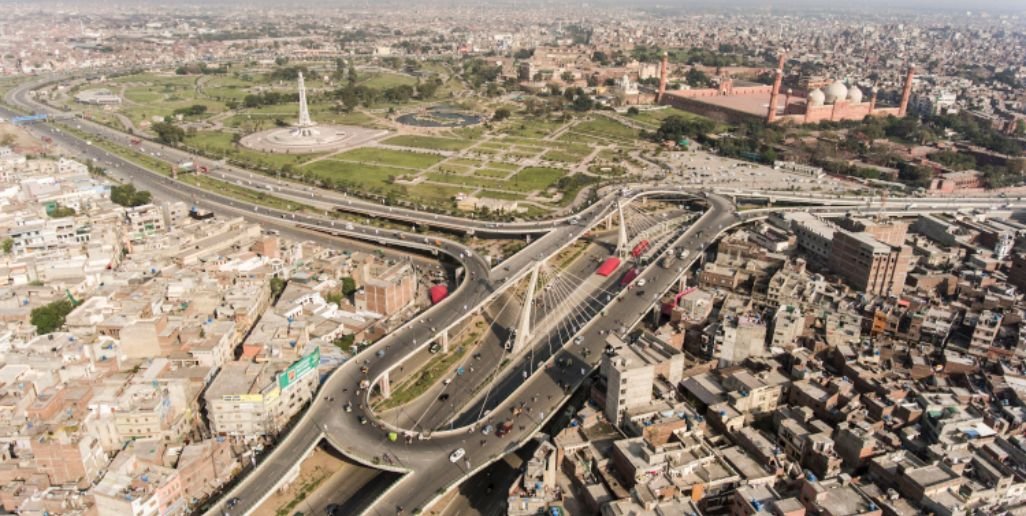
(621, 241)
(524, 326)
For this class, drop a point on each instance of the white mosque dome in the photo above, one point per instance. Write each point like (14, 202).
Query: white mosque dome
(836, 91)
(854, 94)
(816, 97)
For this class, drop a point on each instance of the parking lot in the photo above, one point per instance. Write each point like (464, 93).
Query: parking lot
(700, 168)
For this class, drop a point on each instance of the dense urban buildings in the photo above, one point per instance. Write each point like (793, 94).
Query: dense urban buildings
(625, 260)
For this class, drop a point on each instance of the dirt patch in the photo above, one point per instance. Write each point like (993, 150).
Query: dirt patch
(314, 470)
(18, 139)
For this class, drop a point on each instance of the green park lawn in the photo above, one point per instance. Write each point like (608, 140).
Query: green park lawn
(536, 178)
(606, 128)
(357, 174)
(384, 80)
(531, 127)
(388, 157)
(565, 156)
(528, 180)
(654, 117)
(487, 172)
(219, 144)
(502, 166)
(427, 142)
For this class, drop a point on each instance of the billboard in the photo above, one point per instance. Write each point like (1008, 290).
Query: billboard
(299, 369)
(245, 398)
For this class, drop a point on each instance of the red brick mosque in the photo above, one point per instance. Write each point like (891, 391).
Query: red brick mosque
(734, 101)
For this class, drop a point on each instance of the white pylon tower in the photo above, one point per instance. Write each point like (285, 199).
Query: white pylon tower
(621, 242)
(524, 326)
(305, 126)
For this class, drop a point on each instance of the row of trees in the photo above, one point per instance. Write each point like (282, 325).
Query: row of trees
(269, 98)
(353, 95)
(199, 68)
(193, 110)
(674, 128)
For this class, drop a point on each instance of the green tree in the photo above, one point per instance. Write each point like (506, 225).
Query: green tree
(168, 134)
(500, 115)
(193, 110)
(60, 212)
(348, 286)
(50, 317)
(8, 245)
(915, 174)
(675, 127)
(583, 102)
(128, 196)
(277, 287)
(697, 78)
(345, 342)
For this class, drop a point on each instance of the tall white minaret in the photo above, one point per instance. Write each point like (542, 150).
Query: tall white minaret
(304, 111)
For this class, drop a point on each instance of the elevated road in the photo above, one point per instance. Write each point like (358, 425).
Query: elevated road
(425, 462)
(22, 98)
(325, 419)
(426, 470)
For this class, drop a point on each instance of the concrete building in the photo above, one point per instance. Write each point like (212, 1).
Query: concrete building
(891, 232)
(815, 236)
(836, 497)
(385, 289)
(788, 325)
(632, 371)
(869, 265)
(739, 337)
(936, 229)
(69, 459)
(935, 102)
(251, 400)
(1017, 271)
(204, 467)
(136, 487)
(98, 97)
(985, 331)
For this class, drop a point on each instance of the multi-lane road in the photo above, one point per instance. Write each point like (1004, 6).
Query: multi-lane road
(427, 472)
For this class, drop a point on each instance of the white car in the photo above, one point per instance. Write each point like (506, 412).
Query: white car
(641, 282)
(457, 455)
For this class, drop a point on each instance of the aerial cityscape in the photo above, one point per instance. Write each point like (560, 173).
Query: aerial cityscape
(539, 258)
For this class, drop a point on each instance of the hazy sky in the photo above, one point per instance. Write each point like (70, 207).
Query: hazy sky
(976, 6)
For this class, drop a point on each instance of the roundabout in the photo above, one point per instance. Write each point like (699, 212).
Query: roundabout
(306, 136)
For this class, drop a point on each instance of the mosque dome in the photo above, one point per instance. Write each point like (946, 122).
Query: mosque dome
(816, 97)
(836, 91)
(854, 94)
